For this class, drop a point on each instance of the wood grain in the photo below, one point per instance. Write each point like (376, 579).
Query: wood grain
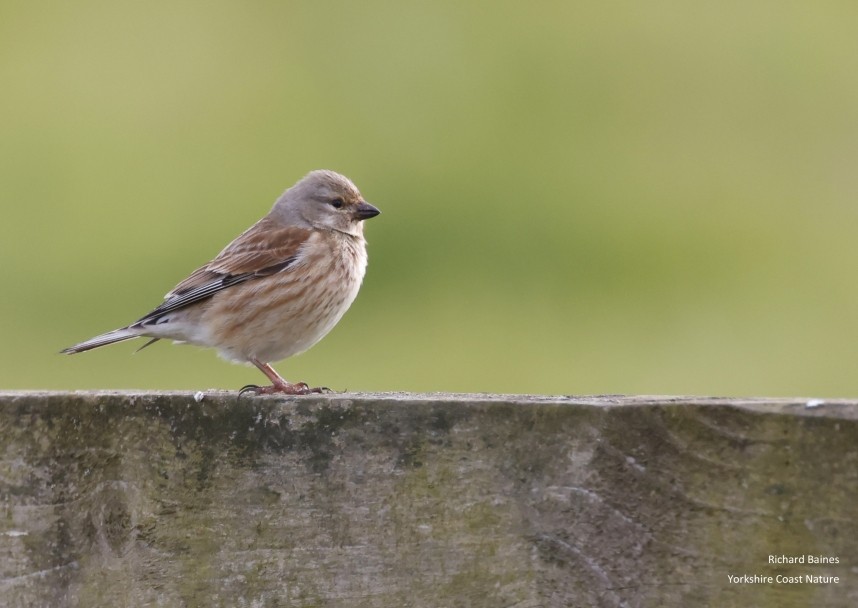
(384, 500)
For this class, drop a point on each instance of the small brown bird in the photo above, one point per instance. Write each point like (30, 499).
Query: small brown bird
(275, 290)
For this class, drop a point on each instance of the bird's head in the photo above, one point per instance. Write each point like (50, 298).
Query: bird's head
(326, 200)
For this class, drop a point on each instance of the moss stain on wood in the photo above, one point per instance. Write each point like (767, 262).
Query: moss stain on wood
(422, 500)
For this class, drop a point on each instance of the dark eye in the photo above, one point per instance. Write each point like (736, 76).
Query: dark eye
(337, 203)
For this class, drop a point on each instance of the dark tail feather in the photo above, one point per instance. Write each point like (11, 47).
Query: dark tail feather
(117, 335)
(149, 343)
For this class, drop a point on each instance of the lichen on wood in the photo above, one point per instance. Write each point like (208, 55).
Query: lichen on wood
(119, 498)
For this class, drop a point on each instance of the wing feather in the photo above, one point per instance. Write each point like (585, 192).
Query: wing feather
(262, 250)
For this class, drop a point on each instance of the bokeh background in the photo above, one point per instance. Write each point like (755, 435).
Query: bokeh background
(577, 197)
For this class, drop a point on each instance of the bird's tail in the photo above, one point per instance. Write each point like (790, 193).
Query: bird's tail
(117, 335)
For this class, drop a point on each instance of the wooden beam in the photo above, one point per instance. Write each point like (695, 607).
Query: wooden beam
(435, 500)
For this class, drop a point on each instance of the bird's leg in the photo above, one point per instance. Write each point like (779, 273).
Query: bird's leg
(279, 384)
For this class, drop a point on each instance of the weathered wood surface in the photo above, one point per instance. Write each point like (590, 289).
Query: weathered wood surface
(388, 500)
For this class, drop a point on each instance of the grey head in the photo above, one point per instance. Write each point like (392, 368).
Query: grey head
(324, 199)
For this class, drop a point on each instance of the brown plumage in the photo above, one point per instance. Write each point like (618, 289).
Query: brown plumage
(275, 290)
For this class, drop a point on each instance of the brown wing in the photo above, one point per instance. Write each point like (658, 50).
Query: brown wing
(259, 247)
(260, 251)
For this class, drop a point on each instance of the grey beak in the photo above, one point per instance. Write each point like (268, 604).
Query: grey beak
(364, 211)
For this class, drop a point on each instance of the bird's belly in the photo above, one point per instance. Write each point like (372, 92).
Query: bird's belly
(272, 320)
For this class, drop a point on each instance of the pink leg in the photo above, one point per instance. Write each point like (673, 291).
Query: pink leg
(279, 384)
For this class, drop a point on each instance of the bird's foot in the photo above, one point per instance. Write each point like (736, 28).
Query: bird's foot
(285, 388)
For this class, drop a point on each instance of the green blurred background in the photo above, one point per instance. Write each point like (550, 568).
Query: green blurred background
(577, 197)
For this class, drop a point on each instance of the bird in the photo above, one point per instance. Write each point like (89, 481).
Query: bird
(275, 290)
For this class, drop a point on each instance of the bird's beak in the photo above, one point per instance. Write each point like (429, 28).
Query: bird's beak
(364, 211)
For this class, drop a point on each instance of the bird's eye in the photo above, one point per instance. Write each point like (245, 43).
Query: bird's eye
(337, 203)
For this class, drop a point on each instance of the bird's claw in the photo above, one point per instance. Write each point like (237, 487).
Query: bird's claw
(298, 388)
(248, 388)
